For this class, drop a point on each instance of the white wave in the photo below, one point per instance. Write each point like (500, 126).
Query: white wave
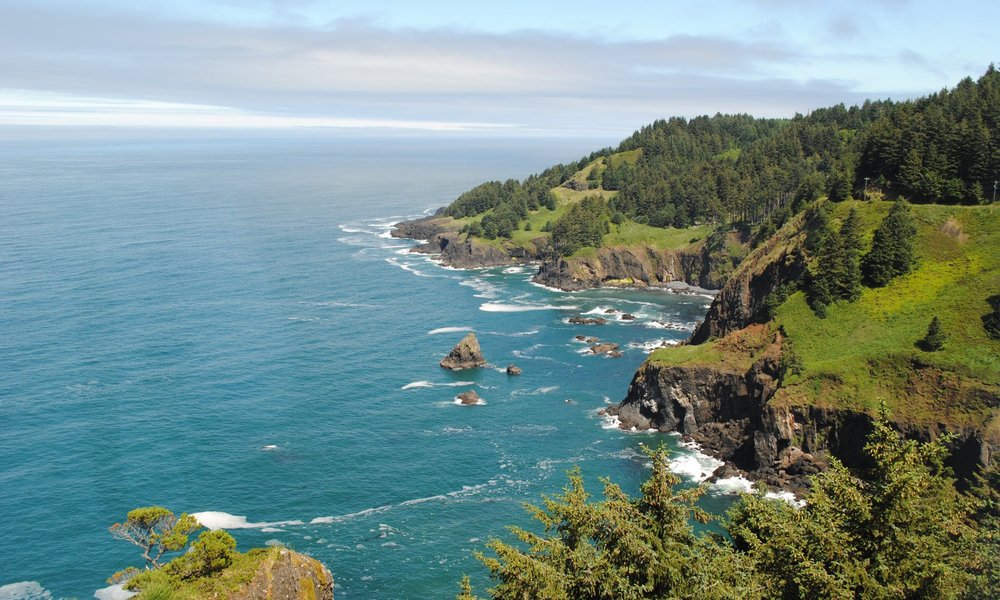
(24, 590)
(406, 267)
(545, 287)
(733, 485)
(513, 270)
(656, 324)
(422, 500)
(479, 402)
(347, 229)
(417, 384)
(449, 330)
(787, 497)
(213, 520)
(360, 513)
(499, 307)
(697, 467)
(650, 345)
(271, 530)
(485, 288)
(601, 310)
(545, 390)
(459, 383)
(269, 447)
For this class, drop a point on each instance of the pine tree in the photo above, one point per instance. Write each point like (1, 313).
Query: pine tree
(892, 247)
(850, 237)
(935, 338)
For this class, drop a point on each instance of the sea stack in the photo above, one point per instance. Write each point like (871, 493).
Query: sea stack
(513, 370)
(469, 398)
(465, 355)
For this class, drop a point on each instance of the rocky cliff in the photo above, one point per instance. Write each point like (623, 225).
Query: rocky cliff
(285, 575)
(776, 262)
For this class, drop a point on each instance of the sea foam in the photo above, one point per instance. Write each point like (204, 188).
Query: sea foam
(448, 330)
(514, 308)
(213, 520)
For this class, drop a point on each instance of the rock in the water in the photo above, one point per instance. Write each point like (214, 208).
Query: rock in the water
(581, 338)
(605, 348)
(513, 370)
(610, 311)
(592, 340)
(289, 574)
(628, 317)
(587, 321)
(469, 397)
(615, 354)
(465, 355)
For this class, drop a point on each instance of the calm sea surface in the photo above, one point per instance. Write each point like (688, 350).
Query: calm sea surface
(226, 326)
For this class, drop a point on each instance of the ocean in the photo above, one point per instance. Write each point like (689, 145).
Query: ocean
(225, 327)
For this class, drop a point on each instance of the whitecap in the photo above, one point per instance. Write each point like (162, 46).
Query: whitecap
(449, 330)
(269, 447)
(601, 310)
(788, 497)
(271, 530)
(458, 401)
(650, 345)
(406, 267)
(222, 520)
(532, 281)
(513, 270)
(459, 383)
(733, 485)
(499, 307)
(417, 384)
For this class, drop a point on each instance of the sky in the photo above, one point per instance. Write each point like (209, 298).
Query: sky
(515, 67)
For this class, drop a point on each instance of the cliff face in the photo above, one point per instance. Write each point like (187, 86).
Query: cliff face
(733, 415)
(285, 574)
(473, 254)
(777, 261)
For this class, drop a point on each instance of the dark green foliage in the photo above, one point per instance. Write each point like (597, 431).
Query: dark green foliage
(500, 223)
(547, 226)
(156, 531)
(618, 548)
(935, 338)
(892, 247)
(584, 224)
(775, 299)
(736, 169)
(991, 320)
(944, 148)
(213, 552)
(849, 287)
(899, 531)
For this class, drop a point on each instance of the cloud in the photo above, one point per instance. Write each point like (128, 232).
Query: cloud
(355, 70)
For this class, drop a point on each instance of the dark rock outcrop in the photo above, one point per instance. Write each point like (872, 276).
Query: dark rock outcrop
(465, 355)
(608, 348)
(462, 253)
(419, 229)
(628, 317)
(288, 574)
(587, 320)
(513, 370)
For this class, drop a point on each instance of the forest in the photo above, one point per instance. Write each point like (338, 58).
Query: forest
(739, 170)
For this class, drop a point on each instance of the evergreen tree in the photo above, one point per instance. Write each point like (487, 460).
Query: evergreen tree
(849, 287)
(935, 338)
(892, 247)
(991, 320)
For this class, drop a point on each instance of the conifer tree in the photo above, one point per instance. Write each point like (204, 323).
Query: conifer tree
(892, 247)
(935, 338)
(850, 237)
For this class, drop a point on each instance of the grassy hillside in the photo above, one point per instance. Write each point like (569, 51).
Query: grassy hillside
(864, 352)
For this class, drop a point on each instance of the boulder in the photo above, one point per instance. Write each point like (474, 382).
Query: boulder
(513, 370)
(465, 355)
(587, 321)
(610, 311)
(605, 348)
(628, 317)
(469, 397)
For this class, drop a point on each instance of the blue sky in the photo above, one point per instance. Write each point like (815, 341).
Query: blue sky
(515, 67)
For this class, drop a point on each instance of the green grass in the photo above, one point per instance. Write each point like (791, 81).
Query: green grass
(863, 354)
(630, 233)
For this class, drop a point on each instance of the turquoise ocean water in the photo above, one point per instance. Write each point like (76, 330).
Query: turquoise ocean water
(226, 326)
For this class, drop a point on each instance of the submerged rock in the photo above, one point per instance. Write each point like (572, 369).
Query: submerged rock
(469, 397)
(513, 370)
(609, 348)
(465, 355)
